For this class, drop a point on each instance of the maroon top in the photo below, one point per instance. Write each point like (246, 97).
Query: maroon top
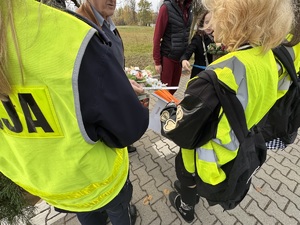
(161, 25)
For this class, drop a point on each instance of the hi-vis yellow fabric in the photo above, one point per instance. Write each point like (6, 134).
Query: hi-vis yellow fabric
(296, 50)
(43, 145)
(254, 77)
(35, 116)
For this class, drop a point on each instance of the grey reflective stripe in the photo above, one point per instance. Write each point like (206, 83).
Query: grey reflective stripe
(239, 72)
(291, 51)
(284, 83)
(206, 155)
(77, 64)
(233, 145)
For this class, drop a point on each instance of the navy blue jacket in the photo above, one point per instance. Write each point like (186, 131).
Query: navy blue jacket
(110, 108)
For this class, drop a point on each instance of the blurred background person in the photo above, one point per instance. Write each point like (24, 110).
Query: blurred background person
(171, 37)
(198, 47)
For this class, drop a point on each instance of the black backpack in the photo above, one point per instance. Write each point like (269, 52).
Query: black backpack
(251, 154)
(283, 119)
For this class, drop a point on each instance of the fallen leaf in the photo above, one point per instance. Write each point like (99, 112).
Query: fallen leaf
(166, 191)
(258, 189)
(147, 200)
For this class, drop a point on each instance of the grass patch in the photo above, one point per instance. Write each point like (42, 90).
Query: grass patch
(138, 44)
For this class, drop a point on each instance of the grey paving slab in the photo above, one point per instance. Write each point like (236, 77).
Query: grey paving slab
(274, 197)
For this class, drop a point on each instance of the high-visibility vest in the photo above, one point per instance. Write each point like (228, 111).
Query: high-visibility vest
(240, 71)
(44, 147)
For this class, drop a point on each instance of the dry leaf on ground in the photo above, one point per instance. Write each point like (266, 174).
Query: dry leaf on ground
(258, 189)
(147, 200)
(166, 191)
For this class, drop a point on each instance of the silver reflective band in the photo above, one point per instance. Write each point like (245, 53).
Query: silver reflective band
(206, 155)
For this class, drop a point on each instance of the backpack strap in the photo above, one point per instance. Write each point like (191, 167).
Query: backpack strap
(231, 105)
(205, 50)
(285, 58)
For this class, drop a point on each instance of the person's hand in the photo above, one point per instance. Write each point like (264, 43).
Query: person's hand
(186, 65)
(138, 89)
(158, 69)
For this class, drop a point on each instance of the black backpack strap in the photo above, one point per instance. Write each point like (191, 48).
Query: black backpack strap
(285, 58)
(231, 105)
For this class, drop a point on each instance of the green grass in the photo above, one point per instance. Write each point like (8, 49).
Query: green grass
(138, 44)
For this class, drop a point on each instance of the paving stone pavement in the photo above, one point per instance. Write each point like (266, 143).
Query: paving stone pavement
(274, 197)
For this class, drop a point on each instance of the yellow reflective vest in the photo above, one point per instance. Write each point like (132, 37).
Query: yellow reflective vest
(44, 148)
(254, 78)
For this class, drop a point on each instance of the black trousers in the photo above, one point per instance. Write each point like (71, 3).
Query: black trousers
(117, 210)
(188, 194)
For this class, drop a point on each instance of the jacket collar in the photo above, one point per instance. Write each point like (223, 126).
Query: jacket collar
(101, 20)
(86, 11)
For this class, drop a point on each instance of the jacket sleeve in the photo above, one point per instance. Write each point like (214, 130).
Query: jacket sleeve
(191, 49)
(110, 109)
(194, 121)
(160, 28)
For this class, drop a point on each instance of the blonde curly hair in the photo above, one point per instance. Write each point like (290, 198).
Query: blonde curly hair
(262, 23)
(6, 25)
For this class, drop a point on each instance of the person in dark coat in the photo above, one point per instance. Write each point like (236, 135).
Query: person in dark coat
(100, 14)
(198, 47)
(170, 39)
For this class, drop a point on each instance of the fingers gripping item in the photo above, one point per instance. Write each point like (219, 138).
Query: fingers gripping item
(170, 124)
(165, 115)
(170, 116)
(168, 112)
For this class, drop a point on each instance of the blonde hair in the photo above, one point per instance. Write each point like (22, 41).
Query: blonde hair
(7, 22)
(262, 23)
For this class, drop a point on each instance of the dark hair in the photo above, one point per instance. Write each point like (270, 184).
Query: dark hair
(200, 23)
